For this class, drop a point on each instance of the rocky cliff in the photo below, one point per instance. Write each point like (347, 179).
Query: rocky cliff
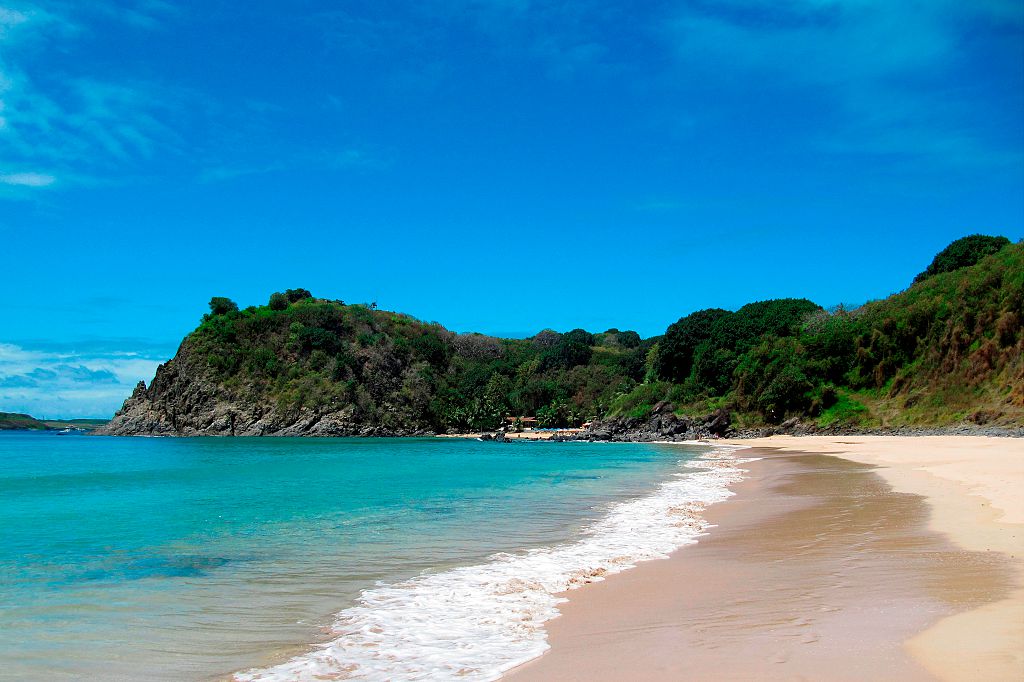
(188, 398)
(946, 352)
(198, 411)
(662, 424)
(149, 412)
(315, 367)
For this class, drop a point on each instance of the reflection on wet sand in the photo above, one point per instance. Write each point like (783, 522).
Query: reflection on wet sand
(817, 570)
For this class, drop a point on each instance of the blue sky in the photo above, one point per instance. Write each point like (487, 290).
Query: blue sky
(496, 165)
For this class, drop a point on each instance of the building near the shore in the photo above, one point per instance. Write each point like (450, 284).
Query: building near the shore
(522, 422)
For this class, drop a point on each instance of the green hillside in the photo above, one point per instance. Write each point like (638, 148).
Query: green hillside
(11, 421)
(300, 356)
(15, 421)
(946, 350)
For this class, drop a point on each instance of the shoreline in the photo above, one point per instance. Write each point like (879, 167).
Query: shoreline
(493, 614)
(915, 589)
(972, 485)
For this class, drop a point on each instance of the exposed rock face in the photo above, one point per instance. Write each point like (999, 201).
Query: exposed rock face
(793, 427)
(660, 425)
(184, 400)
(663, 425)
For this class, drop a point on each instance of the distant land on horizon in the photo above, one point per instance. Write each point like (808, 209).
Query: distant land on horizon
(16, 421)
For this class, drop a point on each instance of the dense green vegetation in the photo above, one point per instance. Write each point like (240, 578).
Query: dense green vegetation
(963, 253)
(393, 370)
(948, 348)
(15, 421)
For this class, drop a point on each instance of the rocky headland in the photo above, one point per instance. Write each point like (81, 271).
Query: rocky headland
(944, 356)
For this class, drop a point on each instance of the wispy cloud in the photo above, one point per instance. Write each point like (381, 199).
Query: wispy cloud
(562, 38)
(27, 179)
(10, 18)
(145, 14)
(59, 381)
(76, 125)
(318, 162)
(884, 67)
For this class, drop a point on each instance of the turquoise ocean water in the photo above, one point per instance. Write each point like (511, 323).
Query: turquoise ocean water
(192, 558)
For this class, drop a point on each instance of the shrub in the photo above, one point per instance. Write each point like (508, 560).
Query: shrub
(844, 410)
(430, 347)
(295, 295)
(219, 305)
(712, 368)
(674, 358)
(831, 342)
(263, 361)
(318, 338)
(628, 339)
(776, 317)
(638, 402)
(278, 301)
(546, 338)
(962, 253)
(581, 336)
(564, 351)
(772, 379)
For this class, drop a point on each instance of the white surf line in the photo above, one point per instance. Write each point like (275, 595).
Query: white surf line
(477, 622)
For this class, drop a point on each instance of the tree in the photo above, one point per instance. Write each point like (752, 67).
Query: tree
(579, 336)
(831, 341)
(772, 378)
(278, 301)
(963, 253)
(569, 350)
(674, 359)
(775, 317)
(295, 295)
(318, 338)
(546, 338)
(628, 339)
(713, 367)
(220, 305)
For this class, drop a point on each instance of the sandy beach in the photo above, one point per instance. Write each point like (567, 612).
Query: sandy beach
(845, 558)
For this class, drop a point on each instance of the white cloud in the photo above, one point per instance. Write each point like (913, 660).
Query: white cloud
(79, 125)
(9, 19)
(61, 383)
(27, 179)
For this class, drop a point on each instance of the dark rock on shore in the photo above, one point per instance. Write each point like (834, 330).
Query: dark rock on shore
(184, 399)
(797, 428)
(661, 425)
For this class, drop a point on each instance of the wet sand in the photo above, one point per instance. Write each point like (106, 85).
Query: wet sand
(818, 569)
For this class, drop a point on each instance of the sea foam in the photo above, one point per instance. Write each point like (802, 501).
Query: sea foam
(476, 622)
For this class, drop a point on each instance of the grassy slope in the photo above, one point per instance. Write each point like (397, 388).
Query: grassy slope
(13, 421)
(74, 423)
(10, 421)
(948, 349)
